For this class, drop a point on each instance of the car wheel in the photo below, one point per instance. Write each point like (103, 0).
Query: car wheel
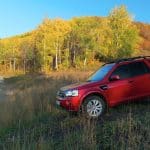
(93, 107)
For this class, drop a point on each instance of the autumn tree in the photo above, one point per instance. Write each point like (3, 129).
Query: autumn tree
(82, 41)
(29, 53)
(58, 43)
(1, 51)
(124, 33)
(51, 35)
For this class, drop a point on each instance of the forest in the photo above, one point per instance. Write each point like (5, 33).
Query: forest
(76, 43)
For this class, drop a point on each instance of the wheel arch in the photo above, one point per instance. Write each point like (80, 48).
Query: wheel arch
(94, 94)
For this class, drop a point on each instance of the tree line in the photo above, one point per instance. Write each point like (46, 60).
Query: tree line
(58, 43)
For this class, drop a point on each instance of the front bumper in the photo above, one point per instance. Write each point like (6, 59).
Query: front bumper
(69, 103)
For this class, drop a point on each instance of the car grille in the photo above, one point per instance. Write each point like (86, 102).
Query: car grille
(61, 94)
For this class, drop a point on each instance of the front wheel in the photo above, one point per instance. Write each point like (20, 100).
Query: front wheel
(93, 107)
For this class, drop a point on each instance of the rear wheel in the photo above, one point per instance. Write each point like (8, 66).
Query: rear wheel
(93, 107)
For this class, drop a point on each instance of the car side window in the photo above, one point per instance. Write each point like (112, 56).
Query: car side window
(122, 71)
(138, 68)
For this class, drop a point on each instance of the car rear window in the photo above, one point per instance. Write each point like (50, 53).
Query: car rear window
(138, 68)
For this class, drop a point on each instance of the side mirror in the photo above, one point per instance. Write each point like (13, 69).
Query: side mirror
(115, 78)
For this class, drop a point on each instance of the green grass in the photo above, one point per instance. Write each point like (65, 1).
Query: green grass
(30, 119)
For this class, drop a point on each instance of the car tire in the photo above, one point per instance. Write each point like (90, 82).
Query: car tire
(93, 107)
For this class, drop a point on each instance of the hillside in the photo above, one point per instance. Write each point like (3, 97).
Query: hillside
(31, 120)
(144, 31)
(76, 43)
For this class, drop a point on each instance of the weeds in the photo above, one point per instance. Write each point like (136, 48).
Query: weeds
(30, 119)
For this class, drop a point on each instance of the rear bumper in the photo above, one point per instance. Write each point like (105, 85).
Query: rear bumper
(69, 103)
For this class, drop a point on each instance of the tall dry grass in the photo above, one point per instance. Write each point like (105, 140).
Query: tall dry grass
(30, 119)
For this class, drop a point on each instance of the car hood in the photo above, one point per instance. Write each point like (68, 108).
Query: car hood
(77, 86)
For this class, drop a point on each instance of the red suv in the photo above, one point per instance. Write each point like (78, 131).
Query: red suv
(114, 83)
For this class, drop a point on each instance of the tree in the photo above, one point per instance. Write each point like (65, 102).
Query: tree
(53, 33)
(30, 56)
(1, 51)
(82, 41)
(10, 51)
(59, 43)
(125, 35)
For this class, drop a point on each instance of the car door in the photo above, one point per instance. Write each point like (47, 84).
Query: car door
(120, 90)
(140, 79)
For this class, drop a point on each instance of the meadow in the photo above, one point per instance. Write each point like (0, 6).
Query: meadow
(30, 120)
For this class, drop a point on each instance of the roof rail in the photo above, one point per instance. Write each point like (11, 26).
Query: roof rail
(128, 59)
(132, 58)
(147, 56)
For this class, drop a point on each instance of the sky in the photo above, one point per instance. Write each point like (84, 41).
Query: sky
(19, 16)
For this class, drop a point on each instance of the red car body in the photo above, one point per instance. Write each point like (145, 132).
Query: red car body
(112, 91)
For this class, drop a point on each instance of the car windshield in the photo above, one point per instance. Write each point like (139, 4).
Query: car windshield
(101, 73)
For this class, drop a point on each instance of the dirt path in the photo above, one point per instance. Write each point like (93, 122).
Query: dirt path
(2, 89)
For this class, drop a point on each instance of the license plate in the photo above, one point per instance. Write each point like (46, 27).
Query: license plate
(58, 102)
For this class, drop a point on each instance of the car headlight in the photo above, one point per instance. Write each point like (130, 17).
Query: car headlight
(71, 93)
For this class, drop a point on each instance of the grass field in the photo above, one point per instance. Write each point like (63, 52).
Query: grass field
(31, 121)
